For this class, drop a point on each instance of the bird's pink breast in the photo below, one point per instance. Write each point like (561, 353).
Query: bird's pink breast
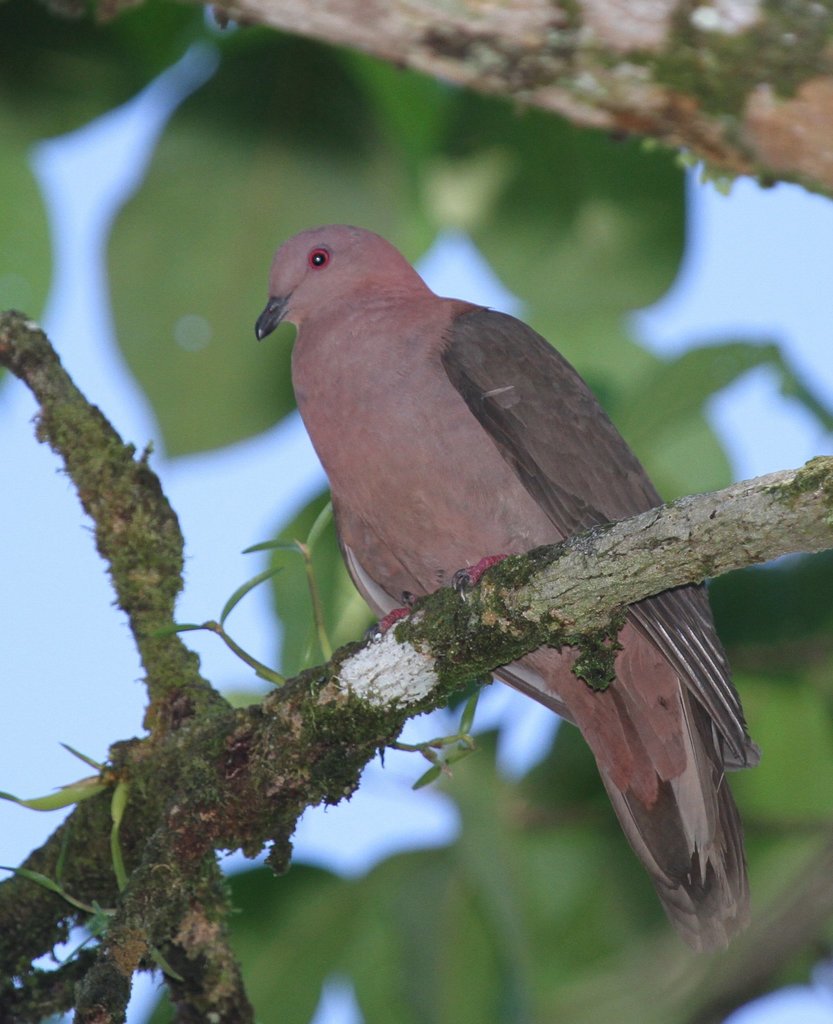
(410, 467)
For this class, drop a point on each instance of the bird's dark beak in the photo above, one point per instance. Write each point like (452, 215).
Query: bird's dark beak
(271, 316)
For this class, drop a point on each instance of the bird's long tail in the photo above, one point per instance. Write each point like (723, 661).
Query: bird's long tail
(690, 840)
(661, 761)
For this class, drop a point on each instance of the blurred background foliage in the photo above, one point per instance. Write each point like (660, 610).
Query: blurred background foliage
(538, 911)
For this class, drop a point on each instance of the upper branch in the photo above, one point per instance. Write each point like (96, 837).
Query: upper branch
(746, 86)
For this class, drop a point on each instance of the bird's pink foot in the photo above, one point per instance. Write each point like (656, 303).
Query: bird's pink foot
(465, 579)
(384, 624)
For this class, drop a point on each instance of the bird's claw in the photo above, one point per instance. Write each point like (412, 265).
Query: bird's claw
(464, 579)
(377, 631)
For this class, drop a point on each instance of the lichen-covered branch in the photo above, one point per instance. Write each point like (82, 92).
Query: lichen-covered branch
(212, 777)
(566, 593)
(744, 85)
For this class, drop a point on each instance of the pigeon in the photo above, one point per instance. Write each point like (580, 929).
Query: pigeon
(452, 433)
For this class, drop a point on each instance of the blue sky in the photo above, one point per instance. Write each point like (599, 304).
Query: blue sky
(758, 263)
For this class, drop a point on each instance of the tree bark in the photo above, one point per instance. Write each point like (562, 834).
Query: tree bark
(745, 86)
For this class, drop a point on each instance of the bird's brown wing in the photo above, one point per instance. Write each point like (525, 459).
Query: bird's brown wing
(548, 426)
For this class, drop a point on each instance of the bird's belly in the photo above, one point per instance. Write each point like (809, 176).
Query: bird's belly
(435, 501)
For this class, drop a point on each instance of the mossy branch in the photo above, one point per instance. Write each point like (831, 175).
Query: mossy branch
(212, 777)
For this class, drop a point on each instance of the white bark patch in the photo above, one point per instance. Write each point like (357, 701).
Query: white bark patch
(388, 672)
(626, 25)
(730, 17)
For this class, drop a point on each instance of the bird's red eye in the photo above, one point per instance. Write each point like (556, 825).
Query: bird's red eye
(318, 258)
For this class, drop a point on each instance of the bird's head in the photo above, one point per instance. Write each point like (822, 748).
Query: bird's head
(333, 263)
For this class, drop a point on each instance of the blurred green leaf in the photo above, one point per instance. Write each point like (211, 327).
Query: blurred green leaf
(679, 388)
(25, 255)
(784, 612)
(283, 137)
(685, 459)
(57, 73)
(292, 937)
(427, 777)
(411, 111)
(584, 229)
(794, 728)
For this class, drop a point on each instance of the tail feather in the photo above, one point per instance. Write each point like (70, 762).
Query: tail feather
(699, 873)
(662, 763)
(690, 838)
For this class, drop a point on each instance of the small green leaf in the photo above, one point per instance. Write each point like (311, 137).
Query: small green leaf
(119, 802)
(345, 613)
(163, 964)
(244, 589)
(48, 883)
(322, 521)
(117, 806)
(315, 598)
(269, 674)
(83, 757)
(99, 922)
(62, 855)
(453, 756)
(64, 797)
(176, 627)
(428, 777)
(273, 545)
(467, 718)
(37, 877)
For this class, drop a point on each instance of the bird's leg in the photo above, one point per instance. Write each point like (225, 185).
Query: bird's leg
(464, 579)
(384, 624)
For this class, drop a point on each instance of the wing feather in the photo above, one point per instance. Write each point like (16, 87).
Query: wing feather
(549, 427)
